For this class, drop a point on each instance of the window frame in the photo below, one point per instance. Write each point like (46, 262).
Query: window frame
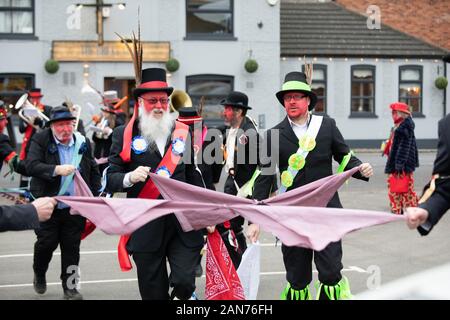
(419, 68)
(12, 35)
(209, 77)
(209, 36)
(363, 114)
(325, 82)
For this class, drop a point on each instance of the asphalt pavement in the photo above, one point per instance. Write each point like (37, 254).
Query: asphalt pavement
(372, 256)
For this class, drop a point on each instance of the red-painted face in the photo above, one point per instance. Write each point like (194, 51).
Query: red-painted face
(296, 104)
(3, 123)
(228, 114)
(35, 100)
(63, 130)
(396, 116)
(155, 103)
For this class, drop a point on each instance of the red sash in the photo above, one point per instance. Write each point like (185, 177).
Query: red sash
(26, 139)
(150, 191)
(10, 156)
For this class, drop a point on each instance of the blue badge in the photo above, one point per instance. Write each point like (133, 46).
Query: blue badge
(178, 146)
(139, 145)
(163, 171)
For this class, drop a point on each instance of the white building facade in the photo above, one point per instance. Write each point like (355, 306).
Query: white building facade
(212, 40)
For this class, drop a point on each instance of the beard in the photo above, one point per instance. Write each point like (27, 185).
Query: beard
(152, 128)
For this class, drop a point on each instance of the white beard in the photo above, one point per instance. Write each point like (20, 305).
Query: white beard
(153, 129)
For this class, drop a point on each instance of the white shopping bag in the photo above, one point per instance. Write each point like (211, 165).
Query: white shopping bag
(248, 270)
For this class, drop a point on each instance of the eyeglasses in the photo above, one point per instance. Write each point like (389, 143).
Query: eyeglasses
(163, 101)
(296, 97)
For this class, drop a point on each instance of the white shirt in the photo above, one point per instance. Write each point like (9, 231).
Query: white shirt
(161, 144)
(299, 129)
(230, 144)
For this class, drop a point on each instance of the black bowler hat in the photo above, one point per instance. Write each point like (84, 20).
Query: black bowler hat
(236, 99)
(59, 114)
(153, 79)
(296, 81)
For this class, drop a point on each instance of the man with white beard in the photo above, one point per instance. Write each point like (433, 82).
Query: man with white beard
(152, 141)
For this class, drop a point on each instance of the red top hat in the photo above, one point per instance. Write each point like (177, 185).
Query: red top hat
(400, 106)
(35, 93)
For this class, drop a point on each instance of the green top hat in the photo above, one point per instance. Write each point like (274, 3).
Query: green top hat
(296, 81)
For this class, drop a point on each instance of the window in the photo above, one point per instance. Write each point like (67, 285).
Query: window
(214, 88)
(363, 91)
(209, 19)
(410, 87)
(13, 85)
(319, 87)
(16, 17)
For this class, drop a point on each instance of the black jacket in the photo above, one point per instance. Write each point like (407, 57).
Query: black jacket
(148, 237)
(42, 159)
(5, 148)
(403, 156)
(103, 146)
(18, 217)
(329, 144)
(439, 202)
(246, 155)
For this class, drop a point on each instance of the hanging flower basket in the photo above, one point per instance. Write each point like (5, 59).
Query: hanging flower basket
(441, 83)
(172, 65)
(51, 66)
(251, 65)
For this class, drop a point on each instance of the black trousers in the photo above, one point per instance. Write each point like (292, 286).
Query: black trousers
(153, 278)
(237, 225)
(63, 229)
(298, 264)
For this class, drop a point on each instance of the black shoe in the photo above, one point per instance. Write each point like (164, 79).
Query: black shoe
(72, 294)
(39, 284)
(198, 270)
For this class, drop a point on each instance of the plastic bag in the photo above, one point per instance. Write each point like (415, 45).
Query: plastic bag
(248, 270)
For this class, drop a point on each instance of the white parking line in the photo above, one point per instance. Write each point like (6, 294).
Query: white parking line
(58, 253)
(270, 273)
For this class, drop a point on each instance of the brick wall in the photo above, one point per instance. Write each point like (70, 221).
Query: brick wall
(428, 20)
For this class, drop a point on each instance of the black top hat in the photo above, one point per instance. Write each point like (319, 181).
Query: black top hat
(60, 113)
(188, 115)
(236, 99)
(153, 79)
(35, 93)
(296, 81)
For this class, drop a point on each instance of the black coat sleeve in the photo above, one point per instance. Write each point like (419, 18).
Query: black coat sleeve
(439, 202)
(340, 149)
(35, 161)
(437, 205)
(117, 168)
(5, 147)
(95, 175)
(266, 181)
(18, 217)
